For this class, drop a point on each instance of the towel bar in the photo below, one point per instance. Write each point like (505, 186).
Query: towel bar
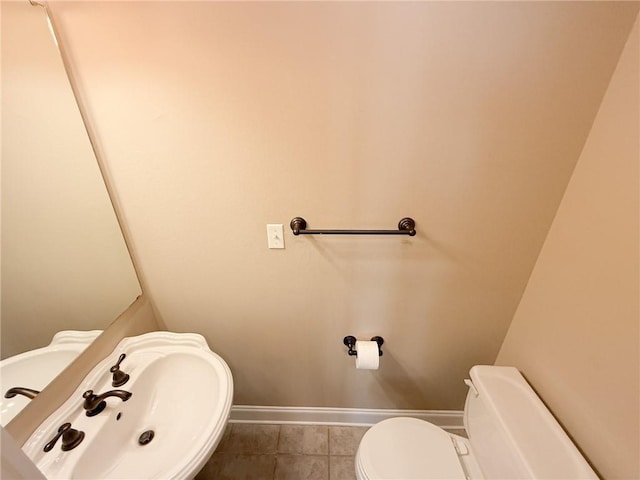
(406, 226)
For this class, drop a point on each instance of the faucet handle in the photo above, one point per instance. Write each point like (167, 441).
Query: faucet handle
(119, 377)
(92, 404)
(71, 438)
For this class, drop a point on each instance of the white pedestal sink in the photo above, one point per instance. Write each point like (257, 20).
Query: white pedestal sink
(181, 392)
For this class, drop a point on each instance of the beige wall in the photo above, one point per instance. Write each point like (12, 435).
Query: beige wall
(64, 262)
(218, 118)
(575, 335)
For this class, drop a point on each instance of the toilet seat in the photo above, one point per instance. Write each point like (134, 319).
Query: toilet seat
(404, 448)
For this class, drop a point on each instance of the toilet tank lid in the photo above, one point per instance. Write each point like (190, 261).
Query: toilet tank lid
(539, 440)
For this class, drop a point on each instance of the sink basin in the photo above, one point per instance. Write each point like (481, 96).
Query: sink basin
(181, 391)
(36, 368)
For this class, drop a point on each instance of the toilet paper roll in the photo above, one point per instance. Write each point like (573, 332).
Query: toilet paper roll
(368, 357)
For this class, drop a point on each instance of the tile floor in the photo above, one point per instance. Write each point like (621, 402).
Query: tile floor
(284, 452)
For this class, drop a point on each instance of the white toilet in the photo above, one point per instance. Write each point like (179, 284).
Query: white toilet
(512, 435)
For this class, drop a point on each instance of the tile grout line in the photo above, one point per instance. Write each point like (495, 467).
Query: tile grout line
(275, 463)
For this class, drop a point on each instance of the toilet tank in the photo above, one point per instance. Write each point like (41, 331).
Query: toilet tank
(511, 432)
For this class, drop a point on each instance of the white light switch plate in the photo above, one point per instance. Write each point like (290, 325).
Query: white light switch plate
(275, 235)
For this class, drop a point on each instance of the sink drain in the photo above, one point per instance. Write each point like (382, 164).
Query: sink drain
(146, 437)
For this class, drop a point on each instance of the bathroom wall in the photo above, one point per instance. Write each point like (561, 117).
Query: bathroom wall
(218, 118)
(575, 334)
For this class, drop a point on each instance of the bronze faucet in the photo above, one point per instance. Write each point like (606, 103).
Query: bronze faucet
(94, 404)
(27, 392)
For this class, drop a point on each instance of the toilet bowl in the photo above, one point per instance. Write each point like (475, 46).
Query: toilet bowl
(511, 433)
(408, 448)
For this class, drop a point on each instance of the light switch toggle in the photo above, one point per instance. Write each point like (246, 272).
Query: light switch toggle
(275, 235)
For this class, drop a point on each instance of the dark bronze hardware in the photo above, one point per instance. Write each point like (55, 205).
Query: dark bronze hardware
(350, 342)
(146, 437)
(71, 438)
(27, 392)
(406, 226)
(94, 404)
(119, 377)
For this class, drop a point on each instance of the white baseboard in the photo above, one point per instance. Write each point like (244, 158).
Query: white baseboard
(445, 419)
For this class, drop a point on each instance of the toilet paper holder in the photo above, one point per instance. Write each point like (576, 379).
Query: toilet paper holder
(350, 342)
